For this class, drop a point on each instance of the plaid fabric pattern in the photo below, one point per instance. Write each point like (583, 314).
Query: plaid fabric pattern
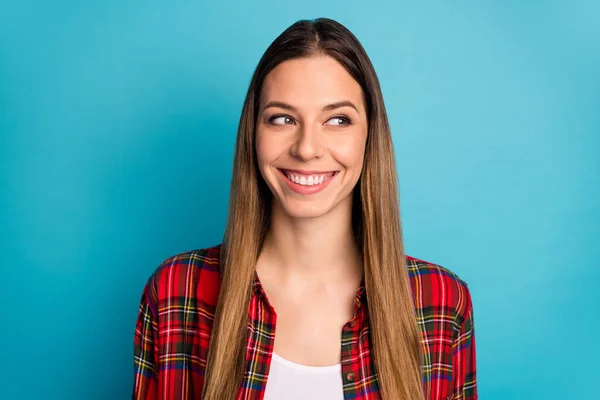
(176, 314)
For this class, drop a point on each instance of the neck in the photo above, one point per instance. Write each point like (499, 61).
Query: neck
(320, 249)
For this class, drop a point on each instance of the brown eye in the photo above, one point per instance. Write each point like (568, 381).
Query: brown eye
(340, 120)
(283, 120)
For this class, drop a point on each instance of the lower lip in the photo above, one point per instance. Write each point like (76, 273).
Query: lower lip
(302, 189)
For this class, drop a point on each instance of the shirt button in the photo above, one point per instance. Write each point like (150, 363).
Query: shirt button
(350, 377)
(352, 324)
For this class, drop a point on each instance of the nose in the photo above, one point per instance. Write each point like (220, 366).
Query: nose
(308, 144)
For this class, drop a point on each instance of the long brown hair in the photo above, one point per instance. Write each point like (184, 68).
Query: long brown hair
(376, 222)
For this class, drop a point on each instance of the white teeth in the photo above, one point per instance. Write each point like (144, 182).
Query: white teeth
(309, 180)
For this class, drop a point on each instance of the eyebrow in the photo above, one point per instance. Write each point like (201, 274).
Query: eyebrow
(328, 107)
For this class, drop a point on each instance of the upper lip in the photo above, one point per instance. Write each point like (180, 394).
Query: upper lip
(306, 172)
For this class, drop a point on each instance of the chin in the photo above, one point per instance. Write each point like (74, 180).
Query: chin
(306, 214)
(307, 209)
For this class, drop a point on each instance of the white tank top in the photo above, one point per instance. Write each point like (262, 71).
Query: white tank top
(290, 381)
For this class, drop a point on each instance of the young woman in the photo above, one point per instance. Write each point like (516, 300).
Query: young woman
(310, 295)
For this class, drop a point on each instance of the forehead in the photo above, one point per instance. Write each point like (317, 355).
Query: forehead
(311, 82)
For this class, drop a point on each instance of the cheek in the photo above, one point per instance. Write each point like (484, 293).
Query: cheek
(351, 151)
(269, 146)
(263, 150)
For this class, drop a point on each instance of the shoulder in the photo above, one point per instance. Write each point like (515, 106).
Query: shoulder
(438, 291)
(190, 276)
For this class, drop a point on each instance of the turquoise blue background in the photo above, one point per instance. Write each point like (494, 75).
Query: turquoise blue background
(117, 124)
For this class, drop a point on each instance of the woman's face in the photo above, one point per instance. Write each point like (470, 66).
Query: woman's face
(311, 133)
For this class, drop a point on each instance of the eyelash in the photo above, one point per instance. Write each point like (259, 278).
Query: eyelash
(348, 120)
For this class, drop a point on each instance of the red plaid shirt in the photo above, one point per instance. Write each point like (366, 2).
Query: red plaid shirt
(176, 317)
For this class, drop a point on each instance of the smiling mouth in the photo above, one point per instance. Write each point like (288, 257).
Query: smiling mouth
(304, 179)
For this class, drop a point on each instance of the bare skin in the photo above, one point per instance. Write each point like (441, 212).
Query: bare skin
(310, 266)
